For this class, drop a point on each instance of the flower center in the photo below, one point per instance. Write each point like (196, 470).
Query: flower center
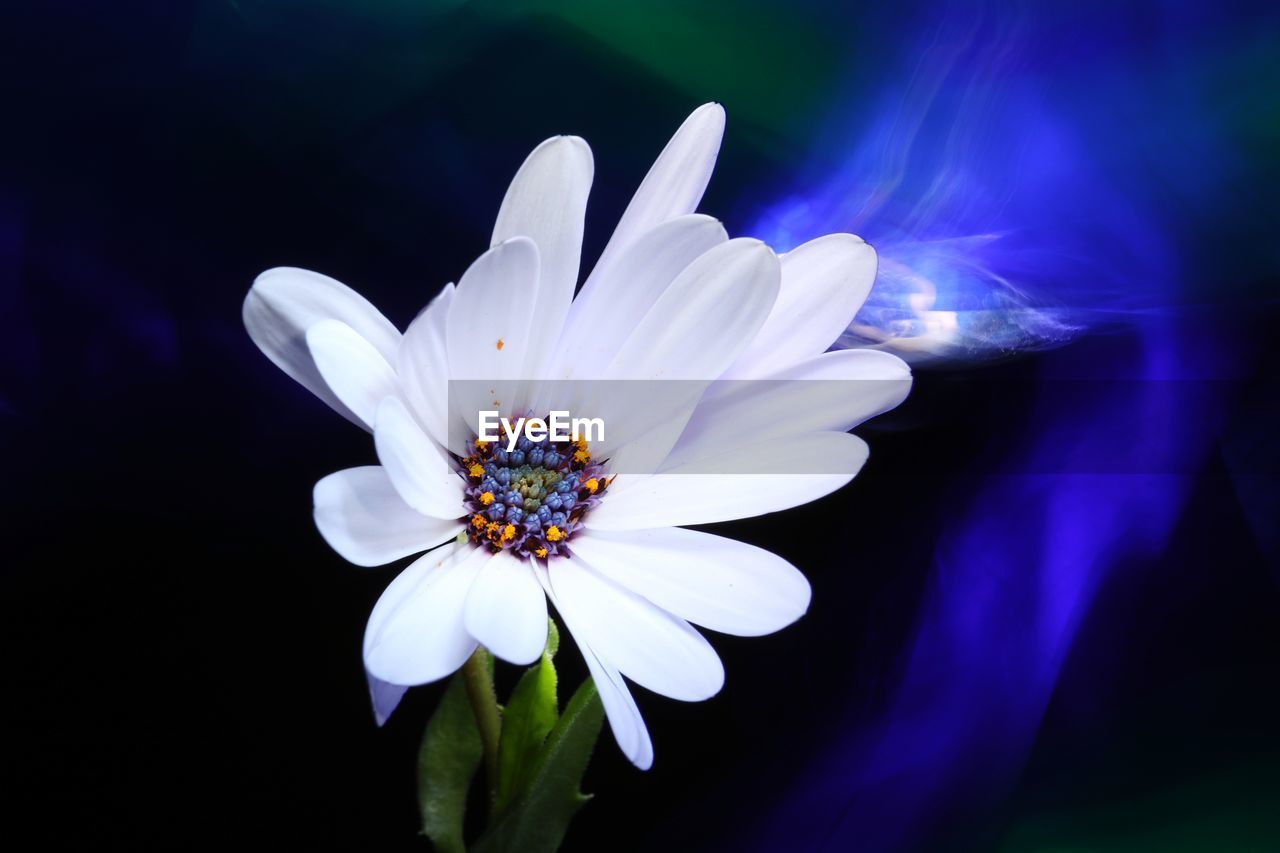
(530, 500)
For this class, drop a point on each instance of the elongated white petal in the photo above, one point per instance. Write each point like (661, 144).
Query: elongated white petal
(547, 202)
(647, 644)
(506, 610)
(490, 327)
(620, 707)
(353, 369)
(384, 697)
(494, 302)
(625, 721)
(712, 581)
(418, 467)
(415, 632)
(422, 363)
(706, 491)
(364, 519)
(824, 283)
(703, 320)
(829, 392)
(602, 318)
(284, 302)
(642, 425)
(673, 187)
(693, 332)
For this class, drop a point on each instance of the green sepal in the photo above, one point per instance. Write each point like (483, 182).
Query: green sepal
(537, 820)
(447, 761)
(527, 720)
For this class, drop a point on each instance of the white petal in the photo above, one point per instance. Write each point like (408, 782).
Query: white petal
(415, 632)
(674, 184)
(490, 327)
(704, 319)
(706, 490)
(628, 727)
(625, 721)
(417, 466)
(363, 518)
(647, 644)
(422, 363)
(693, 332)
(824, 283)
(645, 426)
(712, 581)
(506, 610)
(385, 698)
(284, 302)
(547, 201)
(830, 392)
(353, 369)
(606, 312)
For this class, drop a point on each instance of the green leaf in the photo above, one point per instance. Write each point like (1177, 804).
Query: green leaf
(526, 721)
(553, 638)
(450, 753)
(536, 822)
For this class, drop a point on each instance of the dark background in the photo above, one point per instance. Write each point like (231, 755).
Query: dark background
(183, 651)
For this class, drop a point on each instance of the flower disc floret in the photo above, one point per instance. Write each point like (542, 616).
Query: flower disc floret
(530, 500)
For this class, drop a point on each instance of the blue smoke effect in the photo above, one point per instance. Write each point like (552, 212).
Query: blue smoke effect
(1030, 180)
(1017, 172)
(1096, 487)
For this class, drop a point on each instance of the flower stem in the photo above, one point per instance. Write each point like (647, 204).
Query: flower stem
(484, 703)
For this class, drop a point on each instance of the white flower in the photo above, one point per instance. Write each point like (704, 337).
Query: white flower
(671, 297)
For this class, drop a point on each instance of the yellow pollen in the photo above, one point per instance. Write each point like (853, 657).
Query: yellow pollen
(591, 485)
(500, 344)
(581, 456)
(486, 498)
(475, 469)
(541, 552)
(481, 444)
(478, 521)
(555, 534)
(491, 529)
(579, 442)
(508, 533)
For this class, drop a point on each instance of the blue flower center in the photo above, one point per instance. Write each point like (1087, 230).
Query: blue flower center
(530, 500)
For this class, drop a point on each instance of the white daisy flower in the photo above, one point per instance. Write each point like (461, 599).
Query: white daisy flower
(671, 298)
